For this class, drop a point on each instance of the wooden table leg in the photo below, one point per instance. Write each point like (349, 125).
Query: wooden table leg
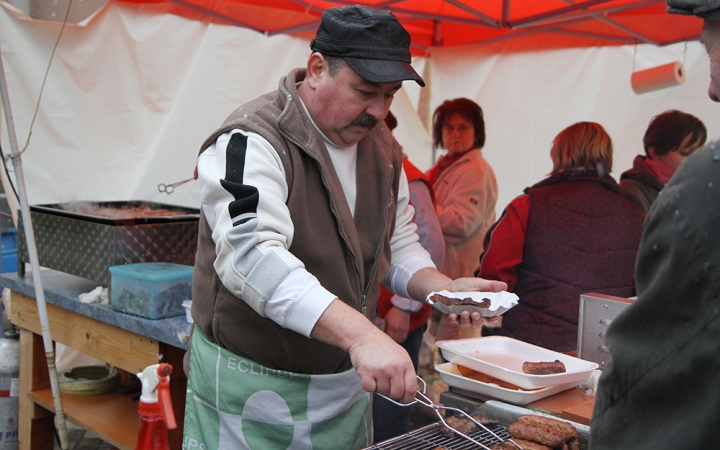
(36, 428)
(178, 388)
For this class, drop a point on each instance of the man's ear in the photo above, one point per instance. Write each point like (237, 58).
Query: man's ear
(316, 68)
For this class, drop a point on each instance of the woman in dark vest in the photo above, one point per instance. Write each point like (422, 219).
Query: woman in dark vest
(569, 234)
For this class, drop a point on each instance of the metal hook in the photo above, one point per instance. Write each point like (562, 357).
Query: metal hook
(170, 188)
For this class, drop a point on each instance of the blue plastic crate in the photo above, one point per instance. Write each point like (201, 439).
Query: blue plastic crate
(9, 260)
(153, 290)
(9, 239)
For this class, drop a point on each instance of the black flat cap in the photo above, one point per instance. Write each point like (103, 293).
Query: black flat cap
(371, 41)
(706, 9)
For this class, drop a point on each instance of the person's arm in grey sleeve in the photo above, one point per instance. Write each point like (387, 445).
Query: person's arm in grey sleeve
(428, 226)
(429, 233)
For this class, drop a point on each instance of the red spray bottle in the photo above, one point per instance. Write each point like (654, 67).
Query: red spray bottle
(156, 413)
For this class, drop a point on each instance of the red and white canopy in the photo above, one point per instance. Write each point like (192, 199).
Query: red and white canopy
(536, 24)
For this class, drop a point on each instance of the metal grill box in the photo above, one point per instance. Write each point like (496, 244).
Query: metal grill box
(78, 239)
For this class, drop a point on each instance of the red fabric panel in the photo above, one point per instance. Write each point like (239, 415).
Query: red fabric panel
(525, 25)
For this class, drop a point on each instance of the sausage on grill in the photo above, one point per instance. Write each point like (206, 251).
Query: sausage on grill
(537, 433)
(568, 431)
(526, 445)
(464, 425)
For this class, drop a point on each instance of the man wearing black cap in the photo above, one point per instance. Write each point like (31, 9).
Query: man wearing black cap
(662, 388)
(304, 213)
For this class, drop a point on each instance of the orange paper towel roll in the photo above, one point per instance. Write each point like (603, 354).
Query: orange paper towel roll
(660, 77)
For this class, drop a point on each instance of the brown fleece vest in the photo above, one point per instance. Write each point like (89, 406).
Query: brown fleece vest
(349, 255)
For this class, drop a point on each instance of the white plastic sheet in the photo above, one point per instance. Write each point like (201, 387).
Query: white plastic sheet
(129, 98)
(131, 95)
(528, 98)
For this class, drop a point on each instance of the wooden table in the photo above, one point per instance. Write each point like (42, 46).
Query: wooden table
(112, 417)
(572, 404)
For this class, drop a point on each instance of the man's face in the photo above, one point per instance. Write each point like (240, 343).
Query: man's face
(347, 106)
(711, 39)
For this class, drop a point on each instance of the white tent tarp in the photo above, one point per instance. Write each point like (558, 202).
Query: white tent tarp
(528, 98)
(131, 95)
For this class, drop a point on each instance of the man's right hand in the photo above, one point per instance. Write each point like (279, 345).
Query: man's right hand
(384, 367)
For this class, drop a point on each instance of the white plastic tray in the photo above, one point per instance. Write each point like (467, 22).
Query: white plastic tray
(503, 357)
(452, 377)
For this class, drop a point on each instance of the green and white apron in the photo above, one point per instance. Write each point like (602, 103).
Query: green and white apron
(234, 403)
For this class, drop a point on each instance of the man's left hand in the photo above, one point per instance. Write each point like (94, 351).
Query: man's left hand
(431, 280)
(466, 319)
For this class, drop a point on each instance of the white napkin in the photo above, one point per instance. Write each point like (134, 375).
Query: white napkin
(591, 384)
(97, 295)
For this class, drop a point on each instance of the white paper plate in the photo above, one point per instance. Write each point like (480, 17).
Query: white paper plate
(499, 302)
(452, 377)
(502, 357)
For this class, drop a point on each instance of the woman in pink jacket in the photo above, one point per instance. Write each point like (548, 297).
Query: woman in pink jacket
(464, 184)
(465, 195)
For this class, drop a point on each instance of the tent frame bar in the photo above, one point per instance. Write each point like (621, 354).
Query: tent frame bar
(488, 20)
(216, 15)
(587, 14)
(557, 12)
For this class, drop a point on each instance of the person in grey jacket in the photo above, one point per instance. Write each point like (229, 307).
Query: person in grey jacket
(304, 213)
(662, 389)
(670, 138)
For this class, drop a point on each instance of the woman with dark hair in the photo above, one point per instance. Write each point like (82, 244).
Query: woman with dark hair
(670, 138)
(569, 234)
(464, 184)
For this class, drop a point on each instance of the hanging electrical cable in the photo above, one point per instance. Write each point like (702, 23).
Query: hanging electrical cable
(7, 172)
(47, 71)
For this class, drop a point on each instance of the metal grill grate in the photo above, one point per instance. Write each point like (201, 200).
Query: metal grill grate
(430, 437)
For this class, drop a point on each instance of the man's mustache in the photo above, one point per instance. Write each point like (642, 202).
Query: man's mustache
(365, 120)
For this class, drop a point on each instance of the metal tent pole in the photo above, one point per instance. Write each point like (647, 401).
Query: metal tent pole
(34, 263)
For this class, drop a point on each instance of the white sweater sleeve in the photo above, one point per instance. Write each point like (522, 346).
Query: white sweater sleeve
(252, 230)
